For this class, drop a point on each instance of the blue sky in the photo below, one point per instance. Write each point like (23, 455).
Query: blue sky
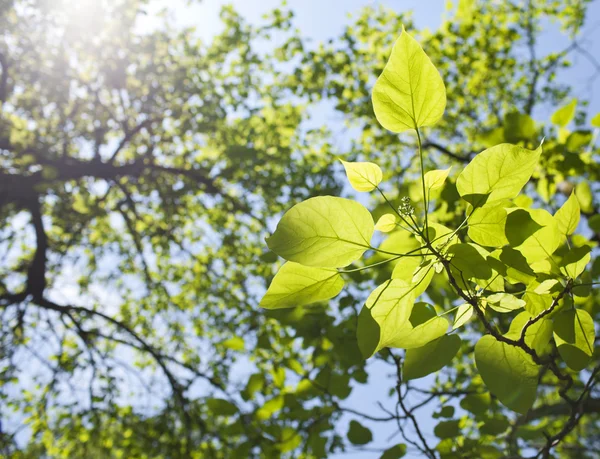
(319, 20)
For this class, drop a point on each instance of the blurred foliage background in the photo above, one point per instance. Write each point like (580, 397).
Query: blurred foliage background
(141, 168)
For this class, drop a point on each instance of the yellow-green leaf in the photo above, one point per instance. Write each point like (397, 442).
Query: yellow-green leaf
(325, 231)
(567, 217)
(386, 223)
(463, 314)
(410, 92)
(585, 196)
(504, 302)
(565, 114)
(363, 176)
(298, 285)
(435, 179)
(497, 173)
(389, 307)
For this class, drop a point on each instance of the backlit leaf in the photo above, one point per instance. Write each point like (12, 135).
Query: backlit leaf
(497, 173)
(410, 92)
(298, 285)
(386, 223)
(435, 179)
(363, 176)
(567, 217)
(325, 231)
(504, 302)
(565, 114)
(574, 335)
(463, 314)
(432, 357)
(390, 306)
(508, 372)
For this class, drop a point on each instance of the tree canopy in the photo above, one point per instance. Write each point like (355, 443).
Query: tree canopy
(192, 267)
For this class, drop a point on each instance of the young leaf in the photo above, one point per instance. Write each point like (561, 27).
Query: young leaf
(574, 335)
(390, 306)
(325, 231)
(508, 372)
(432, 357)
(358, 434)
(435, 179)
(565, 114)
(410, 92)
(386, 223)
(567, 217)
(298, 285)
(596, 120)
(497, 173)
(363, 176)
(463, 314)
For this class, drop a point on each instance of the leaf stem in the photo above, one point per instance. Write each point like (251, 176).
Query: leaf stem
(425, 205)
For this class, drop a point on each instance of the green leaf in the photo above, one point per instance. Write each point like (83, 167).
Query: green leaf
(358, 434)
(514, 263)
(567, 217)
(424, 326)
(235, 343)
(487, 225)
(386, 223)
(270, 407)
(565, 114)
(533, 232)
(447, 429)
(298, 285)
(363, 176)
(415, 271)
(395, 452)
(390, 306)
(325, 231)
(221, 407)
(289, 440)
(508, 372)
(410, 92)
(575, 261)
(504, 302)
(497, 173)
(432, 357)
(596, 120)
(537, 302)
(434, 180)
(470, 260)
(494, 426)
(537, 336)
(398, 242)
(585, 197)
(518, 126)
(574, 335)
(477, 403)
(463, 314)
